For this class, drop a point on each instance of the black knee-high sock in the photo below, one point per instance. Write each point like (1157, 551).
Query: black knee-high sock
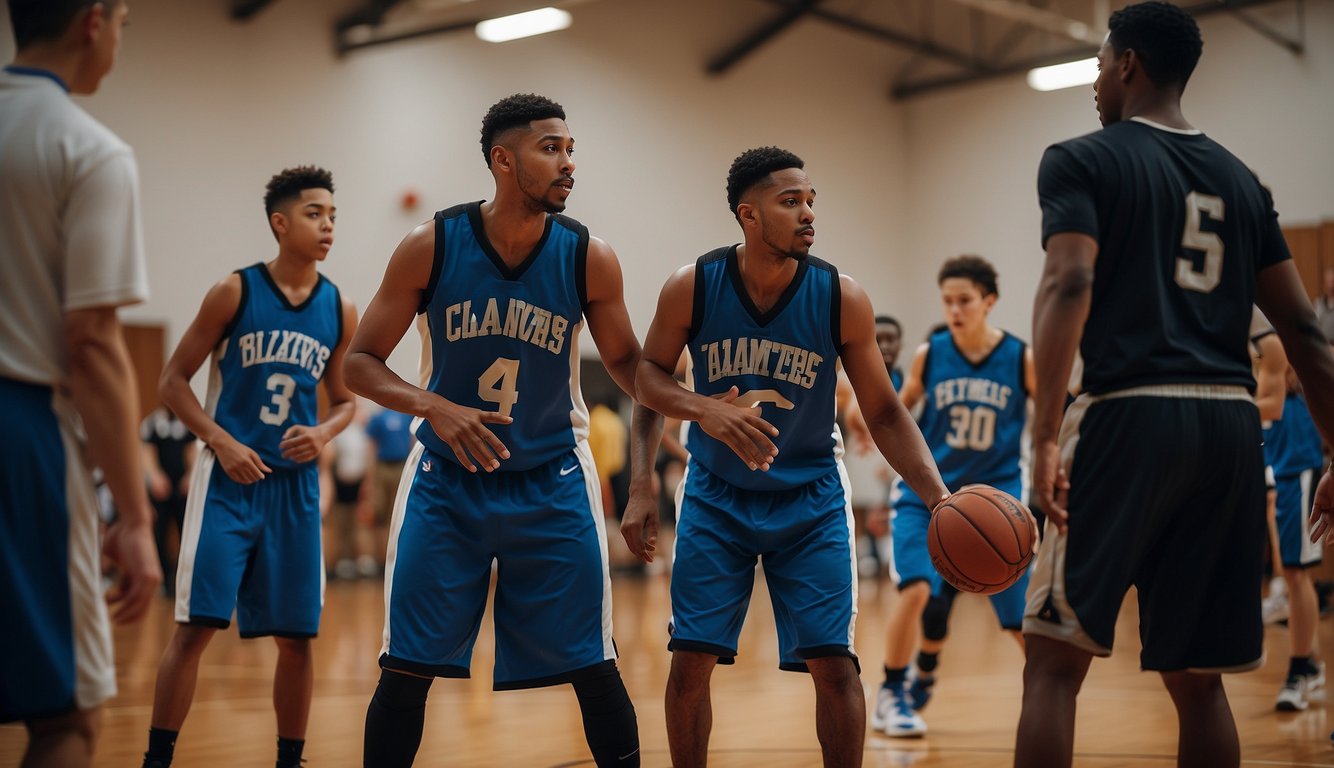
(394, 720)
(609, 719)
(161, 747)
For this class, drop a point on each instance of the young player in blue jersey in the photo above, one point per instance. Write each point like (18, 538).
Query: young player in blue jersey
(1158, 242)
(973, 382)
(276, 331)
(1293, 450)
(766, 325)
(73, 253)
(500, 290)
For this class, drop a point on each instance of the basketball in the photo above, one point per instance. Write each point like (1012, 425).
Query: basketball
(981, 539)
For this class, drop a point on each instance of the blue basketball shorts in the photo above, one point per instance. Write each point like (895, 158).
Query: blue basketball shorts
(804, 539)
(253, 548)
(544, 530)
(912, 561)
(55, 647)
(1292, 512)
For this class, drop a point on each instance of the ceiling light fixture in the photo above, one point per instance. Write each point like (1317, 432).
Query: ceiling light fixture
(1066, 75)
(526, 24)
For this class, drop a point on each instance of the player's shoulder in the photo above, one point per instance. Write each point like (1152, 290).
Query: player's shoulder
(569, 223)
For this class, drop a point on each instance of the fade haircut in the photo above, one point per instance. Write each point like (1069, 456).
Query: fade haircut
(974, 268)
(288, 185)
(35, 21)
(887, 320)
(515, 111)
(753, 166)
(1163, 36)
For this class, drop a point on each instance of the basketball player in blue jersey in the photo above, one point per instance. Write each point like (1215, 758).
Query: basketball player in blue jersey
(251, 543)
(1292, 449)
(500, 290)
(766, 325)
(73, 253)
(973, 382)
(1158, 241)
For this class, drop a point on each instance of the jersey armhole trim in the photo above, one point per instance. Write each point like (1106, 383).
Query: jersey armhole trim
(338, 313)
(437, 263)
(697, 308)
(1023, 369)
(581, 268)
(240, 307)
(835, 307)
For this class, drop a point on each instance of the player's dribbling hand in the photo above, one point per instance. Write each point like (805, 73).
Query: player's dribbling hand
(240, 462)
(1322, 510)
(302, 443)
(131, 548)
(464, 430)
(639, 524)
(1050, 483)
(742, 429)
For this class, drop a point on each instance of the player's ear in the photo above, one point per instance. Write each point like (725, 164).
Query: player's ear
(501, 159)
(278, 223)
(1126, 64)
(745, 213)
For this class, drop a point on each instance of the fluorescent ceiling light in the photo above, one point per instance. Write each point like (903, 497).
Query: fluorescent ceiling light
(1063, 75)
(519, 25)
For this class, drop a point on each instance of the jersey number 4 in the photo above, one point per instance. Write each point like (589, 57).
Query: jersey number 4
(499, 384)
(1206, 278)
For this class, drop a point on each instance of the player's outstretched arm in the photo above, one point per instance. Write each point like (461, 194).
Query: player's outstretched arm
(102, 388)
(304, 443)
(1060, 310)
(609, 322)
(1280, 296)
(391, 311)
(220, 305)
(739, 428)
(892, 427)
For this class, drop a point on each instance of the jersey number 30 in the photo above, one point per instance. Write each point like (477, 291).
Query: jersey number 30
(1206, 279)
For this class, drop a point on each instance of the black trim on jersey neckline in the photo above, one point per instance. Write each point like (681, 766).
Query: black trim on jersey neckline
(479, 233)
(697, 307)
(763, 318)
(287, 303)
(1004, 335)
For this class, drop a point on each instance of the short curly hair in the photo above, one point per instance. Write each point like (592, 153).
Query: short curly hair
(288, 185)
(971, 267)
(1163, 36)
(513, 112)
(753, 166)
(36, 21)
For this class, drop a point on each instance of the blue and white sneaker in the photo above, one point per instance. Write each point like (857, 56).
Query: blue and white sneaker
(920, 686)
(894, 716)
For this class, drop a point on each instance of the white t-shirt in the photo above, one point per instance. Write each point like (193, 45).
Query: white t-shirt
(70, 236)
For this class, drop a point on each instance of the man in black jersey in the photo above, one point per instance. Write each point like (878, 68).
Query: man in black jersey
(1157, 240)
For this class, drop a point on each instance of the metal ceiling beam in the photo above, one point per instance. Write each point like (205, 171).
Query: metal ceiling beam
(1041, 18)
(242, 10)
(760, 36)
(905, 90)
(894, 37)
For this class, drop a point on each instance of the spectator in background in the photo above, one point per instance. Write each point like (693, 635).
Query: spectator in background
(169, 453)
(346, 551)
(1324, 303)
(390, 437)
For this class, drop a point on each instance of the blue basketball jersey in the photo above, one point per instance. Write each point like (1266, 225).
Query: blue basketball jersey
(502, 339)
(973, 415)
(784, 361)
(270, 361)
(1292, 443)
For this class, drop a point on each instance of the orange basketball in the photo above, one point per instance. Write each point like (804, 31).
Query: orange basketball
(981, 539)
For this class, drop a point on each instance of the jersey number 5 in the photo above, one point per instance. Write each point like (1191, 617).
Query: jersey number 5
(499, 384)
(1187, 276)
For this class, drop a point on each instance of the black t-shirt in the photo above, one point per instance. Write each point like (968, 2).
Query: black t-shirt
(170, 436)
(1182, 229)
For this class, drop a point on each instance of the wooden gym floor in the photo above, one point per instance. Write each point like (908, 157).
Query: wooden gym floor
(763, 717)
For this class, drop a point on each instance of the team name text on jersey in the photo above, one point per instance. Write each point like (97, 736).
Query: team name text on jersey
(986, 391)
(279, 346)
(523, 321)
(747, 356)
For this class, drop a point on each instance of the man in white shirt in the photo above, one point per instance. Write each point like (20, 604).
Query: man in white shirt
(71, 250)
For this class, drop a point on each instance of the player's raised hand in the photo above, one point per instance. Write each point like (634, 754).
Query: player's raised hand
(302, 443)
(639, 525)
(1322, 510)
(740, 428)
(131, 548)
(1050, 483)
(464, 430)
(240, 462)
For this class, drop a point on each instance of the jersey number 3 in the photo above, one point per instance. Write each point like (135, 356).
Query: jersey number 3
(1187, 276)
(282, 386)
